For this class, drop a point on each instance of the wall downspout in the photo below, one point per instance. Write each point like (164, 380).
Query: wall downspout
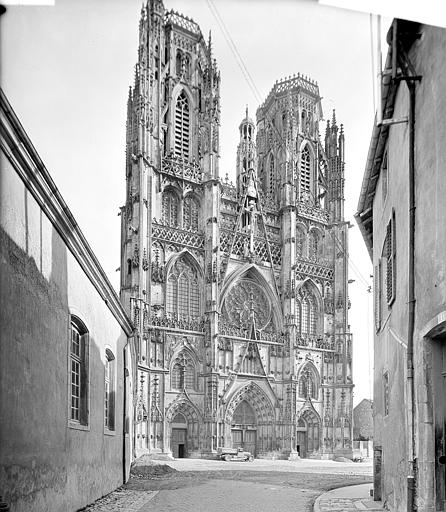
(411, 478)
(408, 75)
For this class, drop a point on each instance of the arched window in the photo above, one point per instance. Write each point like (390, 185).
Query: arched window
(178, 63)
(297, 313)
(305, 170)
(300, 240)
(271, 176)
(314, 245)
(78, 372)
(182, 126)
(183, 375)
(190, 213)
(309, 315)
(170, 208)
(183, 299)
(186, 65)
(109, 391)
(308, 384)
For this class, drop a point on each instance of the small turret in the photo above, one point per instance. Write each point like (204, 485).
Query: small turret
(246, 153)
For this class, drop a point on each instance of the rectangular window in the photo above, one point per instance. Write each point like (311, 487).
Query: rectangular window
(386, 394)
(78, 368)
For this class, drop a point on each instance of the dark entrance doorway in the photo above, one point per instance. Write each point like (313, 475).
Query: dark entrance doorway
(178, 441)
(439, 408)
(244, 432)
(307, 434)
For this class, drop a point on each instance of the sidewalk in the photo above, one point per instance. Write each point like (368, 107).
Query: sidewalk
(347, 499)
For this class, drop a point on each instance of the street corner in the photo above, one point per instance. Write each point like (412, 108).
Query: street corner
(122, 500)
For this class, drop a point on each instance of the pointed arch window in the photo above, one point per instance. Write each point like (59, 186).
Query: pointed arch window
(271, 176)
(314, 245)
(182, 297)
(300, 239)
(170, 208)
(308, 315)
(182, 126)
(190, 213)
(305, 170)
(183, 374)
(308, 384)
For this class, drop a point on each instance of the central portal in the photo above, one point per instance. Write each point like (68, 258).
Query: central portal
(244, 428)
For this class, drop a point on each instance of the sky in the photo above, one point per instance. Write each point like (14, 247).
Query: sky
(66, 70)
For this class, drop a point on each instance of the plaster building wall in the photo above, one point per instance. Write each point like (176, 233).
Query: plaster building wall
(403, 455)
(363, 420)
(430, 274)
(238, 291)
(51, 460)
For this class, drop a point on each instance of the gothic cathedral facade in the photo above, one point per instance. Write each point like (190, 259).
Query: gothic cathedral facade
(238, 292)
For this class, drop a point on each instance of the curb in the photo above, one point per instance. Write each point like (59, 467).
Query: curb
(317, 503)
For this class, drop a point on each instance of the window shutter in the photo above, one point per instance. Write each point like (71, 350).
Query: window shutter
(378, 296)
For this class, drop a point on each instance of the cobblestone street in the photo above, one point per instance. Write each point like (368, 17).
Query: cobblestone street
(200, 486)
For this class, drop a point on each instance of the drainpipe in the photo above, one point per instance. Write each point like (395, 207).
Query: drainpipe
(411, 478)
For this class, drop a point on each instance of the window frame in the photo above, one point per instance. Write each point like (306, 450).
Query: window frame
(180, 378)
(189, 296)
(82, 422)
(110, 395)
(182, 130)
(389, 252)
(305, 171)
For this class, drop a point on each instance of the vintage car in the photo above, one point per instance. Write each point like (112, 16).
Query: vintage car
(229, 454)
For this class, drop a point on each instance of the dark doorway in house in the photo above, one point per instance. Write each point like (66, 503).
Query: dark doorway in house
(439, 408)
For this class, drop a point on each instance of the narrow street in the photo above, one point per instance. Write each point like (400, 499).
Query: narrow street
(263, 485)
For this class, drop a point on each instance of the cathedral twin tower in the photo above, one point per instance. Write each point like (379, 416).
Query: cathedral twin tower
(238, 293)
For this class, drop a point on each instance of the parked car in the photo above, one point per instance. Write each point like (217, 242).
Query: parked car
(229, 454)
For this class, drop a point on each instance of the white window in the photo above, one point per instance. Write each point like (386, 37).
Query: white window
(78, 372)
(109, 391)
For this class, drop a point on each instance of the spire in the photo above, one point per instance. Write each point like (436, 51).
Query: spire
(341, 143)
(333, 122)
(210, 46)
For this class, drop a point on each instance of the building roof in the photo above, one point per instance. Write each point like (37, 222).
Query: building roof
(407, 32)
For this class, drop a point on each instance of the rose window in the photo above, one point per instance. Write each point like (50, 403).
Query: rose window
(246, 301)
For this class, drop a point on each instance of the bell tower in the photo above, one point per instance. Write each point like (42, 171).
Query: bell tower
(172, 152)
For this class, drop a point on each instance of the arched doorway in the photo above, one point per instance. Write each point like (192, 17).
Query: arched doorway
(243, 428)
(255, 419)
(308, 434)
(179, 436)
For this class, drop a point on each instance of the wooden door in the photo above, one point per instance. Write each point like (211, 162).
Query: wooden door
(178, 443)
(439, 406)
(249, 441)
(237, 438)
(301, 444)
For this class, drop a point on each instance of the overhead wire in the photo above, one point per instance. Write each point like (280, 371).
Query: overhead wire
(250, 81)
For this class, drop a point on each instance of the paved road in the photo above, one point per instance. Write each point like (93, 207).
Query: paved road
(260, 486)
(297, 466)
